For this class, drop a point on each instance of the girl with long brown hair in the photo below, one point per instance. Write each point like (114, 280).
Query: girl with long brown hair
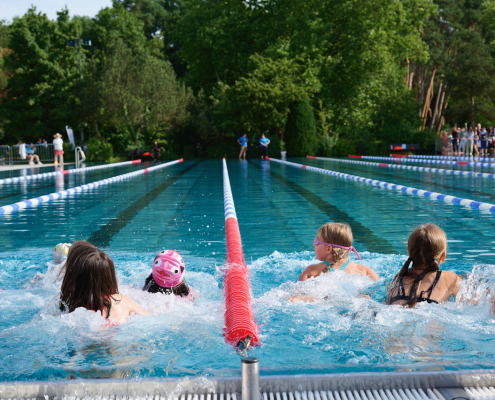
(90, 282)
(423, 281)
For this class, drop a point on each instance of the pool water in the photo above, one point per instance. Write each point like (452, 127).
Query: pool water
(279, 210)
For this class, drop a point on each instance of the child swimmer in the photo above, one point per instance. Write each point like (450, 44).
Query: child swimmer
(167, 276)
(333, 243)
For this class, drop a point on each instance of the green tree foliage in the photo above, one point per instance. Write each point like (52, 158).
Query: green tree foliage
(41, 94)
(300, 130)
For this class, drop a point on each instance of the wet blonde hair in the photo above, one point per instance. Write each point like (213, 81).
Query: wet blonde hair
(425, 247)
(340, 234)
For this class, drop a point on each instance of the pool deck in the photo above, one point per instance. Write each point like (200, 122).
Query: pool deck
(26, 166)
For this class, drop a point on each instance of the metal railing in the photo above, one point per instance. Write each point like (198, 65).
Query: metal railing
(80, 156)
(5, 155)
(20, 152)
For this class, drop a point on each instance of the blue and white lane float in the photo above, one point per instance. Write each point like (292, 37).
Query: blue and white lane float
(411, 168)
(456, 158)
(16, 207)
(31, 178)
(476, 205)
(417, 160)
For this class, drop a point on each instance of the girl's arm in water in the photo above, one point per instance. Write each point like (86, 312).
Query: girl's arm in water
(312, 271)
(135, 308)
(354, 268)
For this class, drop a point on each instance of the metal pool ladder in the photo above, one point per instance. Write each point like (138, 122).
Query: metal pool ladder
(422, 385)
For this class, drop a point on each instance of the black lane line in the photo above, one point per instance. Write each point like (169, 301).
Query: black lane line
(102, 237)
(442, 185)
(365, 235)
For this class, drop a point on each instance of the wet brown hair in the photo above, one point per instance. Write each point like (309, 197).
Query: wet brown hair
(89, 279)
(425, 247)
(340, 234)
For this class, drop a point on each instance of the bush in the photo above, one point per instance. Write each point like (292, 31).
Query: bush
(69, 155)
(343, 148)
(98, 151)
(300, 130)
(274, 147)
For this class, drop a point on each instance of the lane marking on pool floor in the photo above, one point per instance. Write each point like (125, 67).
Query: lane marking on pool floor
(418, 160)
(410, 167)
(365, 235)
(239, 318)
(36, 177)
(78, 189)
(103, 236)
(455, 158)
(399, 188)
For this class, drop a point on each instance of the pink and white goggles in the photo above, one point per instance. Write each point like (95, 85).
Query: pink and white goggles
(168, 268)
(318, 241)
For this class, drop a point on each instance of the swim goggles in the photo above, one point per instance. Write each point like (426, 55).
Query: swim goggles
(317, 241)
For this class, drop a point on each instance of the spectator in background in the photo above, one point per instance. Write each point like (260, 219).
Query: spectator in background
(445, 138)
(490, 140)
(243, 142)
(30, 153)
(45, 143)
(264, 142)
(476, 140)
(39, 141)
(455, 139)
(155, 151)
(462, 144)
(469, 142)
(58, 146)
(483, 142)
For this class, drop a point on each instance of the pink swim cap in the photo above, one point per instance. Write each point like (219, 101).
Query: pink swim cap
(168, 268)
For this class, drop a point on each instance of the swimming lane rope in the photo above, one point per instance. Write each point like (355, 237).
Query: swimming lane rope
(31, 178)
(399, 188)
(456, 158)
(417, 160)
(78, 189)
(241, 329)
(410, 167)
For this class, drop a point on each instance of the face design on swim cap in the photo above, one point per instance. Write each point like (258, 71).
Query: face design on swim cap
(168, 268)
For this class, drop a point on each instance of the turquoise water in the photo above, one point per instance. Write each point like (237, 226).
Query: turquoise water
(279, 210)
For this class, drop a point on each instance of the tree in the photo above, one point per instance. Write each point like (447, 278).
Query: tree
(300, 130)
(41, 93)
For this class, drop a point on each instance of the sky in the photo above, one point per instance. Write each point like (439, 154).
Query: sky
(12, 8)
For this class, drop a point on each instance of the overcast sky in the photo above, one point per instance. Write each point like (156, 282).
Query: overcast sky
(11, 8)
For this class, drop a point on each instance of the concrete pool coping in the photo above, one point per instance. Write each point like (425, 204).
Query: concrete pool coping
(173, 388)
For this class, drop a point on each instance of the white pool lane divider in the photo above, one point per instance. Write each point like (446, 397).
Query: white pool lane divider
(36, 177)
(410, 167)
(241, 330)
(16, 207)
(419, 160)
(455, 158)
(476, 205)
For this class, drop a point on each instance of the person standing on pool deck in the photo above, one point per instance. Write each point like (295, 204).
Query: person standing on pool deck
(264, 142)
(58, 146)
(243, 142)
(90, 282)
(333, 244)
(483, 142)
(155, 152)
(423, 281)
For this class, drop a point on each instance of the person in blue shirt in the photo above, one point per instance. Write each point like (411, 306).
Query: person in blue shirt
(243, 142)
(264, 142)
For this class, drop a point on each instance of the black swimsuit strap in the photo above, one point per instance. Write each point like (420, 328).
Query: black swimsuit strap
(430, 289)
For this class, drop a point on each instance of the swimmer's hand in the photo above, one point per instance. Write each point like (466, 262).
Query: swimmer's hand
(364, 296)
(305, 299)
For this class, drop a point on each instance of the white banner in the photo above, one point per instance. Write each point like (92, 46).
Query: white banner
(71, 136)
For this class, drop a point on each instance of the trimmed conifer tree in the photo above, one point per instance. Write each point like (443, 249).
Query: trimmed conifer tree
(300, 130)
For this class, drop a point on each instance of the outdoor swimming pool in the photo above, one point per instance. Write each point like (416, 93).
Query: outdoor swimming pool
(279, 209)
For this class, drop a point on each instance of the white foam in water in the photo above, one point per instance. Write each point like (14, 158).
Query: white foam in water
(338, 333)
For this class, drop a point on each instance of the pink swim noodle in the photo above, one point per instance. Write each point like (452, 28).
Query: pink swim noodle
(168, 268)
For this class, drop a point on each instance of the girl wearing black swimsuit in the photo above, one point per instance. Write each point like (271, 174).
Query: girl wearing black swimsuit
(427, 248)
